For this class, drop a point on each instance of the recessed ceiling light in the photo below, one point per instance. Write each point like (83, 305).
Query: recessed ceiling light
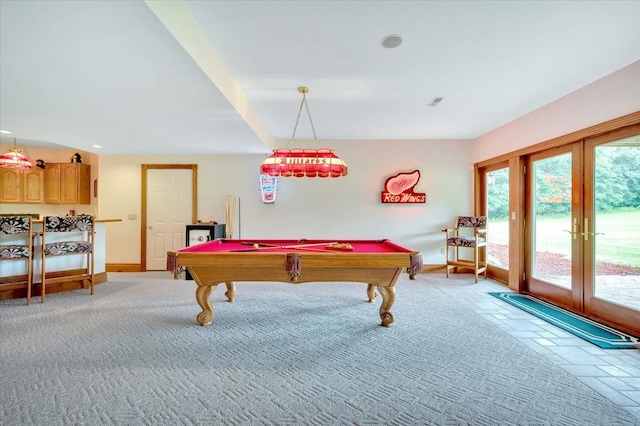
(96, 146)
(6, 132)
(392, 41)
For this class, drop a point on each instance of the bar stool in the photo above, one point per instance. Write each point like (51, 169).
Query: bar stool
(80, 228)
(16, 243)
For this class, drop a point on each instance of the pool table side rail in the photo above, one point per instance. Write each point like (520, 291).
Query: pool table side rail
(411, 261)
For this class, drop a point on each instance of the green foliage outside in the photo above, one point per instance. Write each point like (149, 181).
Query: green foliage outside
(617, 183)
(617, 203)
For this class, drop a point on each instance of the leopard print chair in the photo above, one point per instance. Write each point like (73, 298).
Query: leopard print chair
(469, 235)
(16, 244)
(68, 236)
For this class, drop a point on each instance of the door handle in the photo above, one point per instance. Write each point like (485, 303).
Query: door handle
(574, 232)
(586, 232)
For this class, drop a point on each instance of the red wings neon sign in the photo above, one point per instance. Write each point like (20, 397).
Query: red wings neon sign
(399, 189)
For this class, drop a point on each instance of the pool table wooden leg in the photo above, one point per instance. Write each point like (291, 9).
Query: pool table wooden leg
(203, 292)
(388, 298)
(371, 292)
(231, 291)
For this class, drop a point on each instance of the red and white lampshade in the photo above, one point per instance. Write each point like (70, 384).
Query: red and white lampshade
(298, 162)
(304, 163)
(14, 159)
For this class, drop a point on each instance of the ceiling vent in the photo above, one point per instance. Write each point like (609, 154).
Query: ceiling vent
(392, 41)
(435, 101)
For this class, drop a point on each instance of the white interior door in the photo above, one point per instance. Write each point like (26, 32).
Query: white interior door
(169, 210)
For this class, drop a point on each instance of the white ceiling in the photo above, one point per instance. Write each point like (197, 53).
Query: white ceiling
(210, 77)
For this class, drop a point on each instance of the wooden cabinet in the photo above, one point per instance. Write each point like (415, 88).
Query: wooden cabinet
(10, 185)
(52, 183)
(68, 183)
(59, 183)
(22, 186)
(33, 186)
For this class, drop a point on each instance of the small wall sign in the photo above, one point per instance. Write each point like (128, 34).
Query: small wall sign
(398, 189)
(268, 187)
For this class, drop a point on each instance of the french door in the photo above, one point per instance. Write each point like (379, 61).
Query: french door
(583, 227)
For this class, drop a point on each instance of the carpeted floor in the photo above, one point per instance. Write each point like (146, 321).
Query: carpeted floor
(281, 354)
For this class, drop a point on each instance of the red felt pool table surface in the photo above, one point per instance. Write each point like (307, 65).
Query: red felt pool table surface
(377, 263)
(302, 245)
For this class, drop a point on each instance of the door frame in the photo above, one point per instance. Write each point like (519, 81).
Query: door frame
(143, 218)
(517, 230)
(594, 307)
(481, 207)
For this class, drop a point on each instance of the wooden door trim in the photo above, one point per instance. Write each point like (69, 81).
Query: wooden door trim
(480, 209)
(143, 218)
(568, 298)
(618, 316)
(516, 225)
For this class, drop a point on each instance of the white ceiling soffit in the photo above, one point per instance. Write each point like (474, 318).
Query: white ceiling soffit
(113, 73)
(109, 73)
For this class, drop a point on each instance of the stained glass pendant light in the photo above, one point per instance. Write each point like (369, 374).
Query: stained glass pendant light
(14, 158)
(298, 162)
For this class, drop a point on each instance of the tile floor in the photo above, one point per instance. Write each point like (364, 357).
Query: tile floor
(614, 373)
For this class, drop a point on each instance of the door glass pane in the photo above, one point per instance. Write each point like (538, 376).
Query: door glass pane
(616, 227)
(552, 222)
(498, 218)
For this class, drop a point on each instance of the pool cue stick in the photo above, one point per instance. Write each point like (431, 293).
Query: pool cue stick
(295, 246)
(316, 250)
(259, 244)
(227, 217)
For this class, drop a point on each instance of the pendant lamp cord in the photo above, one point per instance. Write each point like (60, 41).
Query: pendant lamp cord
(304, 103)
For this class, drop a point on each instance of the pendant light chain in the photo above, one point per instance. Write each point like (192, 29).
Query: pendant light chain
(304, 91)
(304, 99)
(303, 162)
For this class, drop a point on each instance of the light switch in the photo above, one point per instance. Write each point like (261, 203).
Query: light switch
(133, 216)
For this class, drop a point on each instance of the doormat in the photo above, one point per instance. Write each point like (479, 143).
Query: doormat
(591, 331)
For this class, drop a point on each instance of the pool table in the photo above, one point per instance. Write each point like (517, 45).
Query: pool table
(377, 263)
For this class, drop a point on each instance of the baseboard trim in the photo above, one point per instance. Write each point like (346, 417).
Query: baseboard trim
(428, 269)
(123, 267)
(74, 283)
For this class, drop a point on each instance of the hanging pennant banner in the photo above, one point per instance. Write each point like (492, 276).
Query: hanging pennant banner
(268, 186)
(398, 189)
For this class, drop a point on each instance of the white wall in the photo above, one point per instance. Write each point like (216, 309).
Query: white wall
(613, 96)
(346, 207)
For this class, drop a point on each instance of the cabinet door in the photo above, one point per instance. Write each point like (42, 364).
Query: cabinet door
(33, 186)
(10, 185)
(84, 184)
(69, 183)
(52, 183)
